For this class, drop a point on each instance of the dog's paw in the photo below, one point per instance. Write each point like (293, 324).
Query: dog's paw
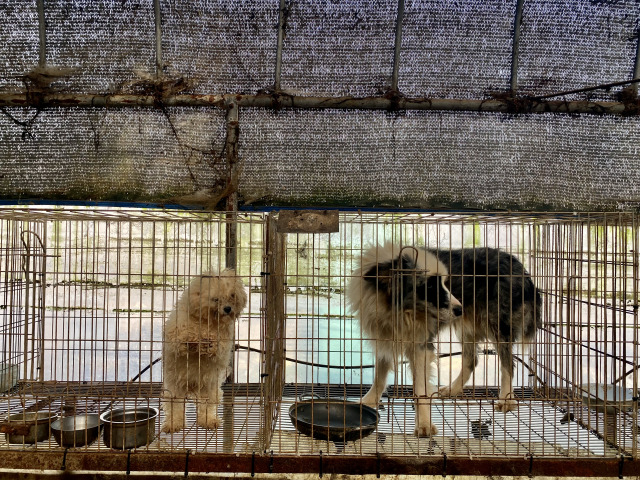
(172, 426)
(426, 430)
(506, 405)
(369, 401)
(210, 422)
(449, 391)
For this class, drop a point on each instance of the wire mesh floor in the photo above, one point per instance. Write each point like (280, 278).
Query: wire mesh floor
(467, 426)
(240, 413)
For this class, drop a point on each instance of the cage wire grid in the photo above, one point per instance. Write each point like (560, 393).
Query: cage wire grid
(86, 293)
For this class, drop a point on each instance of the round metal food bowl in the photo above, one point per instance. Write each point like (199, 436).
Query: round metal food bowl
(618, 398)
(76, 431)
(129, 428)
(28, 427)
(333, 419)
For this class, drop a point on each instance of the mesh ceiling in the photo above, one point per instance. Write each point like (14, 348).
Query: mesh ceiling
(425, 159)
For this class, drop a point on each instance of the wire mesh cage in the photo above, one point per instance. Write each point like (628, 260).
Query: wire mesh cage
(88, 295)
(574, 380)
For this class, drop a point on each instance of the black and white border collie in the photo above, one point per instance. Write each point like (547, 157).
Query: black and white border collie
(403, 296)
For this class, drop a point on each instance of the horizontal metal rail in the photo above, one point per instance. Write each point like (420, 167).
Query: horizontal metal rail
(520, 105)
(193, 463)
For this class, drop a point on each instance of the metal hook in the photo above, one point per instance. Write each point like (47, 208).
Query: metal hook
(186, 464)
(271, 462)
(64, 459)
(444, 465)
(620, 465)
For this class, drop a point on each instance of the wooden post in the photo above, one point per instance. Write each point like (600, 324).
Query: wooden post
(273, 330)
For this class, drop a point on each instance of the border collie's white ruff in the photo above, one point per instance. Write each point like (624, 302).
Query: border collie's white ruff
(491, 297)
(198, 344)
(385, 278)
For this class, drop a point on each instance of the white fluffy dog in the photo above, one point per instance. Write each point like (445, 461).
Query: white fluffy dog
(198, 344)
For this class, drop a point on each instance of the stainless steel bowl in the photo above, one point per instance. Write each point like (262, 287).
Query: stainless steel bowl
(28, 427)
(76, 431)
(129, 428)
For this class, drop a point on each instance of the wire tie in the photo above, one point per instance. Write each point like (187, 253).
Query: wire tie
(253, 464)
(320, 463)
(186, 464)
(128, 461)
(64, 459)
(620, 464)
(444, 465)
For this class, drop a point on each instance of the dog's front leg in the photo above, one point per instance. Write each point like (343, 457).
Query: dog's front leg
(506, 402)
(174, 414)
(421, 363)
(208, 400)
(373, 396)
(468, 345)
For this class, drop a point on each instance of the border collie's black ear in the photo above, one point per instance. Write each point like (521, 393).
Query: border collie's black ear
(380, 276)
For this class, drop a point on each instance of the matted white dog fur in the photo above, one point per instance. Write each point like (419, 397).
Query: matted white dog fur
(198, 344)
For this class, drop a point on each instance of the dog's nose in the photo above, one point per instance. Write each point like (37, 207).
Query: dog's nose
(227, 310)
(457, 310)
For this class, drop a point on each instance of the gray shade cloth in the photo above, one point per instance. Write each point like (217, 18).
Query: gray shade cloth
(421, 159)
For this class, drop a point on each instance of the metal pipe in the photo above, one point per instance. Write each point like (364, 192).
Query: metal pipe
(496, 105)
(158, 18)
(282, 14)
(398, 46)
(516, 46)
(164, 464)
(231, 148)
(43, 34)
(636, 66)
